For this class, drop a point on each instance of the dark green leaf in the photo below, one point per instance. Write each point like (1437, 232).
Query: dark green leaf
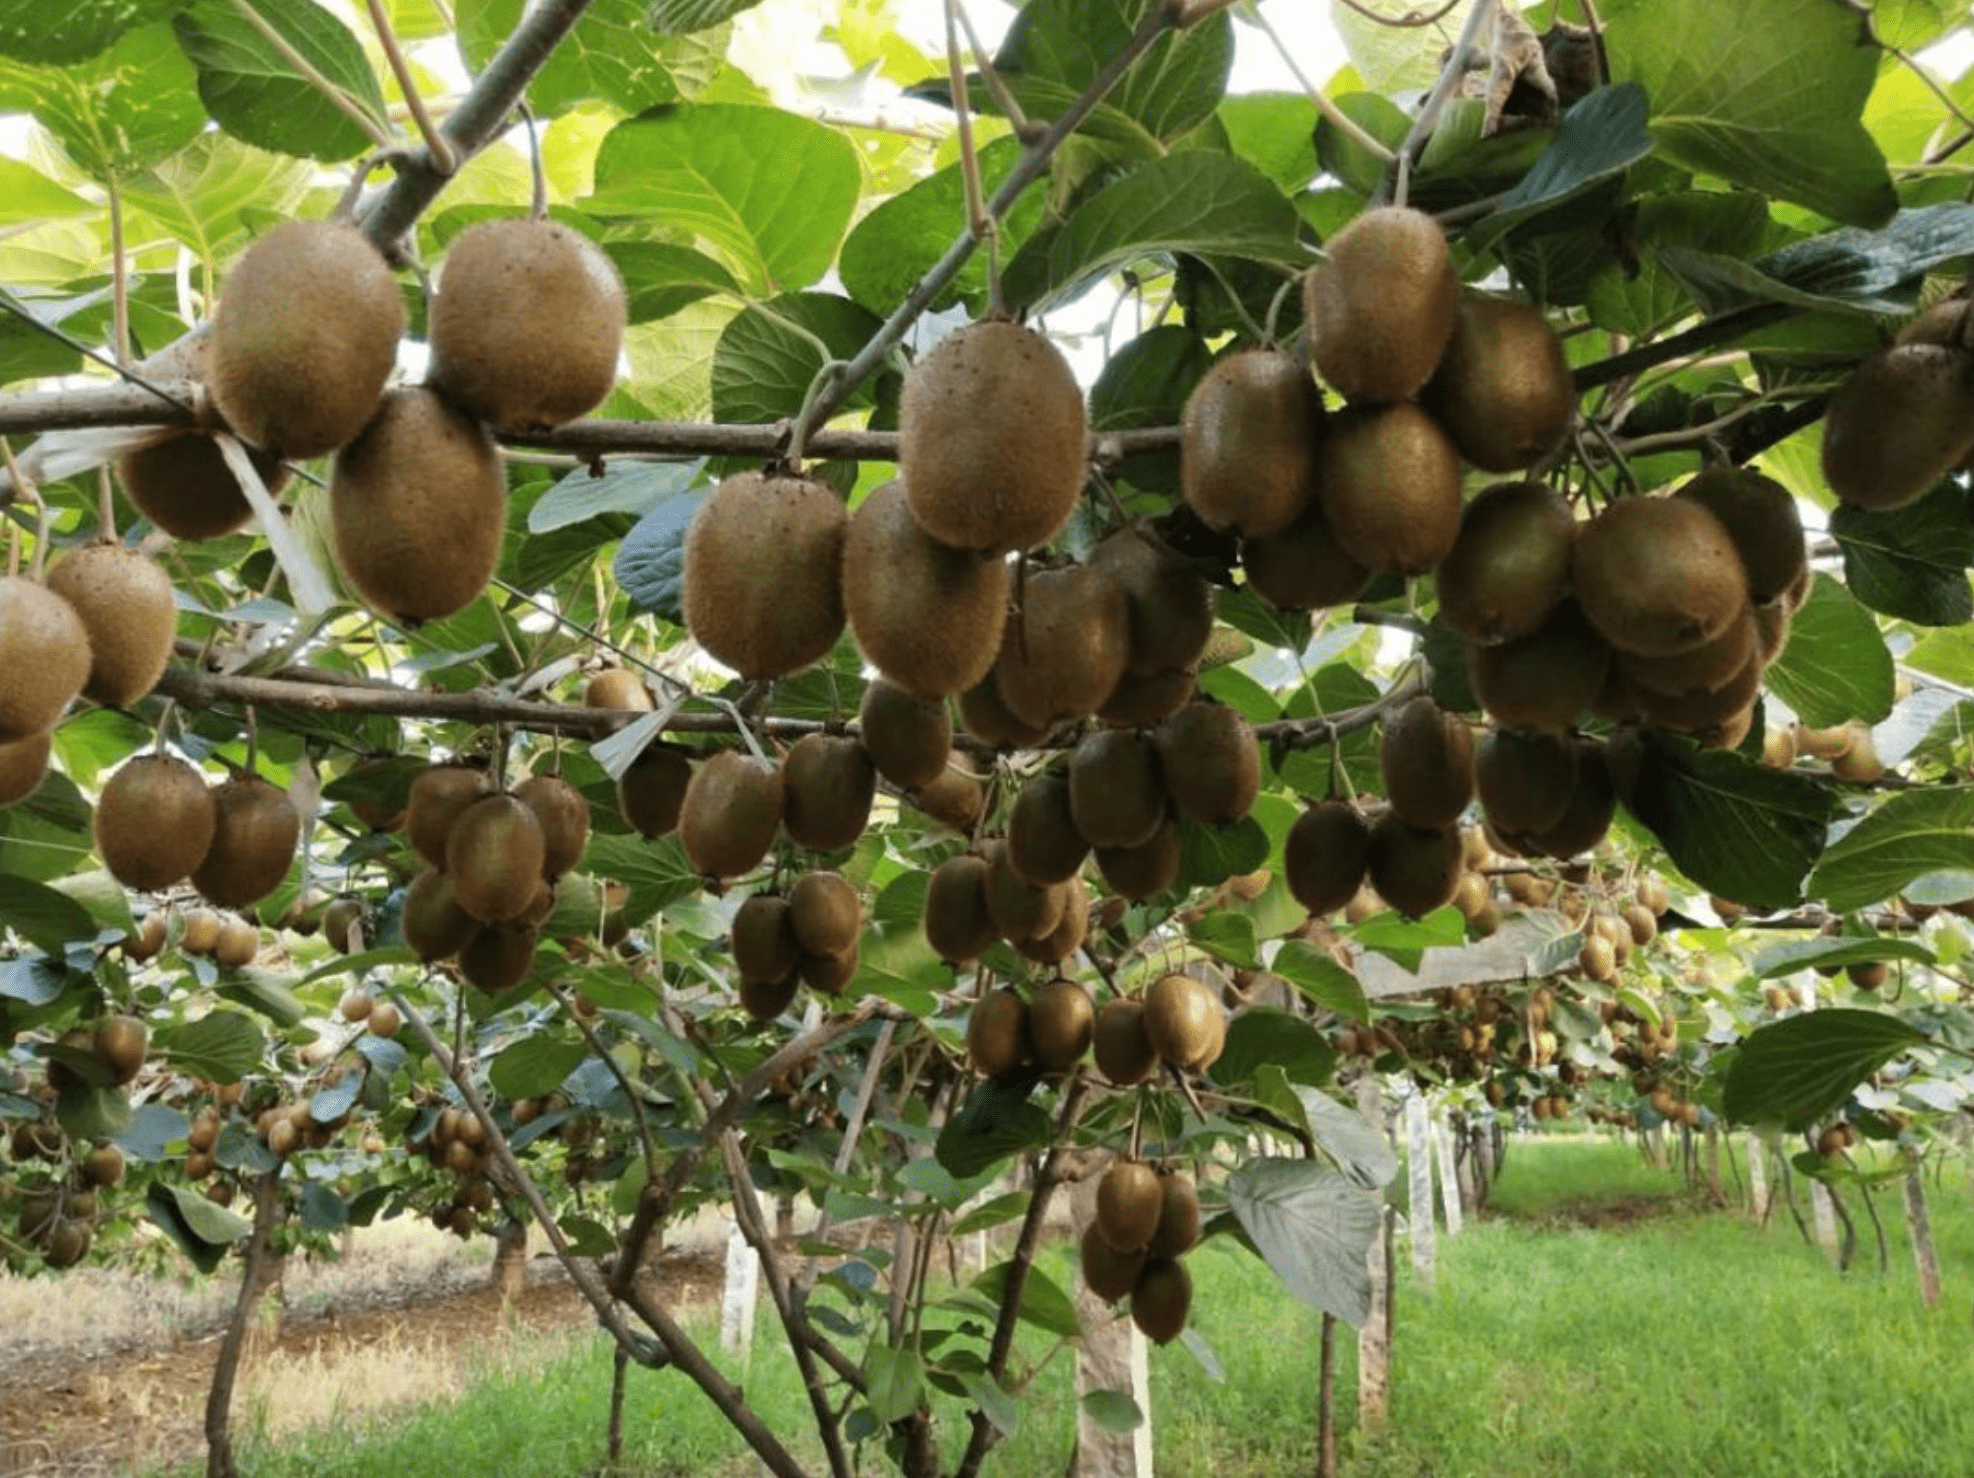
(1794, 1072)
(625, 487)
(202, 1230)
(256, 93)
(1637, 298)
(1601, 136)
(1836, 666)
(1786, 959)
(658, 873)
(1321, 979)
(587, 1236)
(1911, 562)
(650, 563)
(1263, 1036)
(239, 1148)
(122, 110)
(996, 1121)
(1043, 1303)
(222, 1045)
(1209, 855)
(994, 1401)
(151, 1132)
(1114, 1411)
(897, 1383)
(322, 1209)
(770, 354)
(1227, 936)
(49, 920)
(88, 1112)
(1147, 381)
(535, 1066)
(62, 32)
(1909, 834)
(660, 279)
(1849, 269)
(1313, 1227)
(1245, 611)
(34, 980)
(680, 17)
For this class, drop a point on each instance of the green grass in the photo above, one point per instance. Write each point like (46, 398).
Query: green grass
(1677, 1340)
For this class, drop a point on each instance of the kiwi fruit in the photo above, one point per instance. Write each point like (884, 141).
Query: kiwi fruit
(1066, 649)
(563, 815)
(1325, 855)
(126, 605)
(1247, 443)
(201, 931)
(764, 1000)
(1901, 422)
(494, 856)
(1658, 576)
(997, 1033)
(1142, 699)
(1525, 780)
(1760, 516)
(1382, 306)
(438, 797)
(830, 784)
(763, 578)
(1212, 763)
(121, 1044)
(651, 792)
(1068, 935)
(1503, 390)
(345, 923)
(1859, 762)
(527, 324)
(44, 657)
(618, 689)
(1144, 870)
(497, 959)
(1509, 565)
(1708, 665)
(239, 943)
(1702, 709)
(1427, 757)
(154, 822)
(1390, 484)
(434, 926)
(955, 800)
(1185, 1022)
(763, 942)
(1415, 869)
(926, 616)
(1593, 803)
(958, 924)
(1773, 620)
(303, 338)
(1162, 1300)
(255, 834)
(1303, 568)
(1171, 608)
(992, 439)
(987, 718)
(1546, 679)
(908, 739)
(730, 814)
(1124, 1051)
(1020, 909)
(1117, 795)
(22, 764)
(1061, 1022)
(68, 1244)
(829, 975)
(824, 913)
(183, 485)
(418, 505)
(1178, 1216)
(1129, 1199)
(1044, 843)
(1108, 1273)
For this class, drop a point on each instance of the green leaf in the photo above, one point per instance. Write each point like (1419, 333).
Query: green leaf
(1321, 979)
(205, 193)
(771, 353)
(26, 194)
(660, 278)
(587, 1236)
(1272, 130)
(1245, 611)
(1342, 155)
(1908, 835)
(34, 980)
(997, 1212)
(1148, 381)
(721, 175)
(1114, 1411)
(1600, 137)
(996, 1121)
(45, 918)
(1201, 203)
(121, 111)
(1637, 298)
(1390, 54)
(151, 1132)
(1857, 271)
(1836, 666)
(996, 1404)
(624, 487)
(897, 1382)
(63, 32)
(613, 56)
(202, 1229)
(88, 1111)
(1798, 1070)
(1263, 1036)
(1228, 936)
(322, 1209)
(1313, 1227)
(222, 1045)
(1209, 855)
(1801, 954)
(1361, 1152)
(680, 17)
(1732, 825)
(257, 95)
(1043, 1303)
(650, 563)
(1911, 562)
(1767, 97)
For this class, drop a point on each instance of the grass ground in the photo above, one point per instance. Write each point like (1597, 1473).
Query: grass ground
(1671, 1340)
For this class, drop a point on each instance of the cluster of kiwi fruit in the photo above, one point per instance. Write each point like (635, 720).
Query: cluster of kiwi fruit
(1904, 418)
(1848, 749)
(806, 936)
(1146, 1220)
(158, 823)
(456, 1141)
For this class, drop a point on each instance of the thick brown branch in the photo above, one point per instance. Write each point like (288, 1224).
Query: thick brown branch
(1723, 328)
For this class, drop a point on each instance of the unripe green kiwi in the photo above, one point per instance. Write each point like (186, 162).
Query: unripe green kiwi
(1390, 484)
(1382, 307)
(494, 856)
(255, 835)
(763, 575)
(1248, 438)
(1503, 390)
(1509, 564)
(907, 738)
(731, 812)
(44, 657)
(126, 604)
(154, 822)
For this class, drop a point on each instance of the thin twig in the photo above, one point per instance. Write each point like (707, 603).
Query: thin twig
(1411, 18)
(1392, 186)
(1723, 328)
(1349, 127)
(990, 74)
(602, 1054)
(435, 143)
(307, 70)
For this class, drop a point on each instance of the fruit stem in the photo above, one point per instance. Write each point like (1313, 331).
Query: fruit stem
(340, 100)
(106, 508)
(435, 144)
(538, 197)
(23, 488)
(119, 277)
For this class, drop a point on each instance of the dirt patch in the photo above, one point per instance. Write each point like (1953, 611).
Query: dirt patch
(1597, 1215)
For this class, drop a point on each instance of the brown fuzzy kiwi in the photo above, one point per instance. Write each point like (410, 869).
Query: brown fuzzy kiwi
(997, 1033)
(1067, 937)
(1707, 666)
(564, 817)
(121, 1044)
(987, 718)
(908, 739)
(303, 338)
(255, 834)
(1901, 422)
(239, 944)
(926, 616)
(1503, 389)
(1544, 680)
(1703, 709)
(1185, 1021)
(1509, 564)
(438, 798)
(955, 800)
(1044, 843)
(763, 942)
(1061, 1021)
(1382, 307)
(1171, 607)
(992, 439)
(730, 814)
(1427, 756)
(1760, 516)
(499, 957)
(1141, 699)
(1773, 620)
(1108, 1273)
(829, 975)
(527, 323)
(1415, 869)
(44, 657)
(1139, 872)
(958, 925)
(1212, 763)
(1587, 817)
(1178, 1216)
(183, 485)
(830, 784)
(1303, 568)
(1065, 652)
(1162, 1300)
(1247, 443)
(618, 689)
(495, 855)
(22, 764)
(1020, 909)
(435, 927)
(418, 504)
(154, 822)
(1124, 1052)
(764, 1000)
(1525, 780)
(1325, 855)
(126, 604)
(1658, 576)
(824, 913)
(651, 792)
(763, 573)
(1129, 1199)
(1117, 795)
(1390, 484)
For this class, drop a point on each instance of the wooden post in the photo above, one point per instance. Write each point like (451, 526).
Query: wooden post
(1759, 1198)
(743, 1291)
(1374, 1339)
(1713, 1165)
(1419, 1162)
(1450, 1195)
(1826, 1219)
(1919, 1223)
(1326, 1403)
(1112, 1356)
